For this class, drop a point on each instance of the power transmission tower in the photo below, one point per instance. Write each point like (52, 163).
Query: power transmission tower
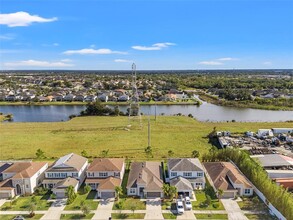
(134, 108)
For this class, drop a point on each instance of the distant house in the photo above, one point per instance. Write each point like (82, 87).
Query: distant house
(123, 98)
(79, 98)
(21, 178)
(226, 176)
(90, 98)
(186, 174)
(145, 180)
(103, 98)
(69, 97)
(70, 165)
(104, 174)
(274, 161)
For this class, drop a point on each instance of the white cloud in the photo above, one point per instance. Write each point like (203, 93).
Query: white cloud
(37, 63)
(123, 61)
(22, 18)
(210, 63)
(227, 59)
(6, 37)
(66, 60)
(92, 51)
(156, 46)
(267, 63)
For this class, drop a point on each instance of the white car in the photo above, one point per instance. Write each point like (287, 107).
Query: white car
(179, 206)
(188, 204)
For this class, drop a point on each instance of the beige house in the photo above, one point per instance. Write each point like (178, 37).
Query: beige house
(226, 176)
(145, 180)
(21, 178)
(70, 165)
(104, 174)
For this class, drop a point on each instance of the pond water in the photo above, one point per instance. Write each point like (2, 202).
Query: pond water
(205, 112)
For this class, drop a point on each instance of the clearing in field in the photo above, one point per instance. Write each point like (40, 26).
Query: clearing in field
(178, 134)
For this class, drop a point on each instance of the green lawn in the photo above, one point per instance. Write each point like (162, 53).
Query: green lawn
(22, 204)
(87, 198)
(169, 216)
(201, 198)
(260, 217)
(167, 204)
(128, 203)
(127, 216)
(248, 204)
(77, 216)
(211, 216)
(95, 134)
(10, 217)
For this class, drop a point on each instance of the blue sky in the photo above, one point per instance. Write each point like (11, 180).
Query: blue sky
(161, 34)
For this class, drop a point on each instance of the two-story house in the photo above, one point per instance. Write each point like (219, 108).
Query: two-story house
(227, 177)
(104, 174)
(21, 178)
(70, 166)
(186, 174)
(145, 180)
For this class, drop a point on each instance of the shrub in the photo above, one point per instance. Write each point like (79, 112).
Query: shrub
(216, 205)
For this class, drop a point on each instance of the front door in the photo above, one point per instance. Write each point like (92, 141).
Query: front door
(18, 189)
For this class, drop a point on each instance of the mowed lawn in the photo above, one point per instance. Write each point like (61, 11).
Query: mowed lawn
(180, 134)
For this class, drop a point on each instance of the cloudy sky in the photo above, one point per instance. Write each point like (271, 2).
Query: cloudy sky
(161, 34)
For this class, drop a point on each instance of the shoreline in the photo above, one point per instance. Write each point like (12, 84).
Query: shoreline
(103, 103)
(214, 100)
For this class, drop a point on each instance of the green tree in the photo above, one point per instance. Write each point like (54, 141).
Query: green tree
(173, 192)
(118, 191)
(170, 153)
(85, 209)
(166, 190)
(195, 154)
(208, 200)
(149, 151)
(104, 153)
(71, 194)
(220, 193)
(87, 189)
(40, 154)
(84, 153)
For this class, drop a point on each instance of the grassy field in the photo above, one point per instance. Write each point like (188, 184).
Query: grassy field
(211, 216)
(87, 198)
(77, 216)
(180, 134)
(127, 216)
(11, 217)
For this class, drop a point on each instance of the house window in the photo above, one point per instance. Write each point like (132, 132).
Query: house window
(246, 191)
(26, 186)
(199, 174)
(198, 184)
(132, 191)
(104, 174)
(50, 175)
(63, 175)
(90, 174)
(173, 173)
(74, 175)
(187, 174)
(117, 174)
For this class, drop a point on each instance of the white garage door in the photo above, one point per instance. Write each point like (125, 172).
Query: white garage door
(60, 195)
(228, 195)
(153, 195)
(4, 195)
(107, 195)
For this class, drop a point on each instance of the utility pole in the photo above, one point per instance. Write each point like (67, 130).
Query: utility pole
(149, 133)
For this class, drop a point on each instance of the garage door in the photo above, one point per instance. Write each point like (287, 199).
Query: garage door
(228, 195)
(4, 195)
(60, 195)
(153, 195)
(107, 195)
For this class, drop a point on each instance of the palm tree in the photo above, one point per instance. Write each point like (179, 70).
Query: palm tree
(173, 191)
(119, 191)
(166, 189)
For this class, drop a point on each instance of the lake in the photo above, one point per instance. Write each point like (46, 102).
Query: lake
(205, 112)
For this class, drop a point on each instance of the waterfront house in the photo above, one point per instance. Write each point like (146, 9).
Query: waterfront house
(70, 165)
(104, 174)
(145, 180)
(227, 177)
(20, 178)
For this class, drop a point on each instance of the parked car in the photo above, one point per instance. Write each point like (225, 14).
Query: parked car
(19, 217)
(188, 204)
(179, 206)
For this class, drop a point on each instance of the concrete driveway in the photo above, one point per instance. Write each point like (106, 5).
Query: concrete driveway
(54, 212)
(233, 210)
(186, 215)
(104, 209)
(153, 209)
(2, 201)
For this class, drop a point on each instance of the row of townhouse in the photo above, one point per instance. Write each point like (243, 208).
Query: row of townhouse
(103, 175)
